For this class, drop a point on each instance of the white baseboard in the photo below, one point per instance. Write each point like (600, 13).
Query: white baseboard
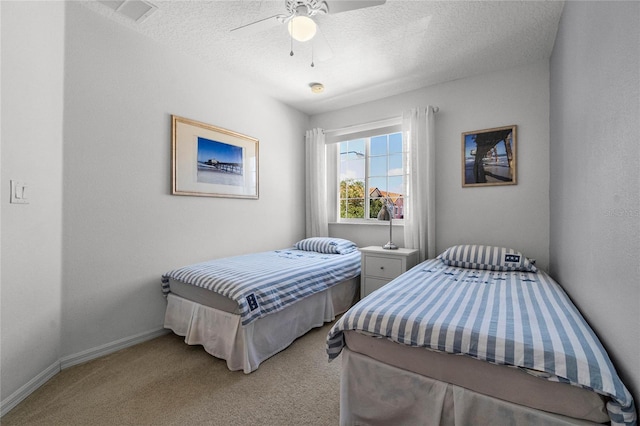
(18, 396)
(106, 349)
(69, 361)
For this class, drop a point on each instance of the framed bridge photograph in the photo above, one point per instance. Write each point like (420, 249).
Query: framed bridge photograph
(210, 161)
(489, 157)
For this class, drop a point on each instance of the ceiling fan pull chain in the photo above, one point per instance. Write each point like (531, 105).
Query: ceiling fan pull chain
(312, 64)
(291, 38)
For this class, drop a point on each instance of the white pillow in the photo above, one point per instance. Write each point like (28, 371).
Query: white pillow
(487, 257)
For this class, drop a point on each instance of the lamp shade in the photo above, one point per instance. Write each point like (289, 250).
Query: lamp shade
(302, 28)
(383, 214)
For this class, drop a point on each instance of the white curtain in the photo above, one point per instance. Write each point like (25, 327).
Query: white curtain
(420, 187)
(316, 184)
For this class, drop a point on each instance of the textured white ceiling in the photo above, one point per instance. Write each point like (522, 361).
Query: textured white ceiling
(377, 51)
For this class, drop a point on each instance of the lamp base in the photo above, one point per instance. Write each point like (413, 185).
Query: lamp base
(390, 246)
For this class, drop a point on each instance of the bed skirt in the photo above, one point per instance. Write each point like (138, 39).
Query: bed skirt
(244, 348)
(374, 393)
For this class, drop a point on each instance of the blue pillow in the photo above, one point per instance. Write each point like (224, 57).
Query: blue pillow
(487, 257)
(326, 245)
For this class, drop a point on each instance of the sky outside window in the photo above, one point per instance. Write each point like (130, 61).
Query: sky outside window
(385, 162)
(352, 159)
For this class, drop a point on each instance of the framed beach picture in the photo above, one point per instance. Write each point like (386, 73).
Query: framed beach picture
(210, 161)
(489, 157)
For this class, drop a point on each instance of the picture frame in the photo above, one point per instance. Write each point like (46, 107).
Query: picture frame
(209, 161)
(489, 157)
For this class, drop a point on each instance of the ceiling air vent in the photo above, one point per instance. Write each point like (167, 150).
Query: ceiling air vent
(136, 10)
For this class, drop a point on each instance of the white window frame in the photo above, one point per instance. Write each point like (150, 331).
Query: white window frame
(333, 139)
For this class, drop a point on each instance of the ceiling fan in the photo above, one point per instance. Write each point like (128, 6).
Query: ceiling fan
(299, 19)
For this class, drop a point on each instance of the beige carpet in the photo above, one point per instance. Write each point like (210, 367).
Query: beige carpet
(166, 382)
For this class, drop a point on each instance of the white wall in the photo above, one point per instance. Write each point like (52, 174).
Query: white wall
(32, 100)
(122, 228)
(515, 216)
(595, 173)
(81, 265)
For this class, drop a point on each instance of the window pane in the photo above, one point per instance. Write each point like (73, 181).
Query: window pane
(343, 189)
(379, 183)
(352, 198)
(357, 145)
(352, 209)
(352, 150)
(351, 188)
(343, 150)
(375, 204)
(379, 145)
(352, 169)
(343, 209)
(395, 143)
(395, 185)
(378, 166)
(398, 209)
(395, 165)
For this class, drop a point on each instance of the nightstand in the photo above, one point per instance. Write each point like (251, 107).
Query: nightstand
(379, 266)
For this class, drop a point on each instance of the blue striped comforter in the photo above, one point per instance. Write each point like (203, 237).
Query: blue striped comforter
(522, 319)
(263, 283)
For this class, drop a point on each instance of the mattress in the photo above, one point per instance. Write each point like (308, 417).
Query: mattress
(502, 382)
(342, 295)
(203, 296)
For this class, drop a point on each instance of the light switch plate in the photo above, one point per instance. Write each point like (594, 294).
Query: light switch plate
(19, 194)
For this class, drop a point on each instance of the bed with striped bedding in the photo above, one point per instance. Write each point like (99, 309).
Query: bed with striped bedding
(515, 316)
(245, 309)
(267, 282)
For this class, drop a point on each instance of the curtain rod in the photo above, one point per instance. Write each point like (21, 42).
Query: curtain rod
(372, 123)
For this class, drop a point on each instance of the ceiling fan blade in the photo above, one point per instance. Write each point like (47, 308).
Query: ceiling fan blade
(259, 26)
(337, 6)
(321, 48)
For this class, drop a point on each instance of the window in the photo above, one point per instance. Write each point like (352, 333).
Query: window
(371, 170)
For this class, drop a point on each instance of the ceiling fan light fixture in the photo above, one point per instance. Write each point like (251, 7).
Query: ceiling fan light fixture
(302, 28)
